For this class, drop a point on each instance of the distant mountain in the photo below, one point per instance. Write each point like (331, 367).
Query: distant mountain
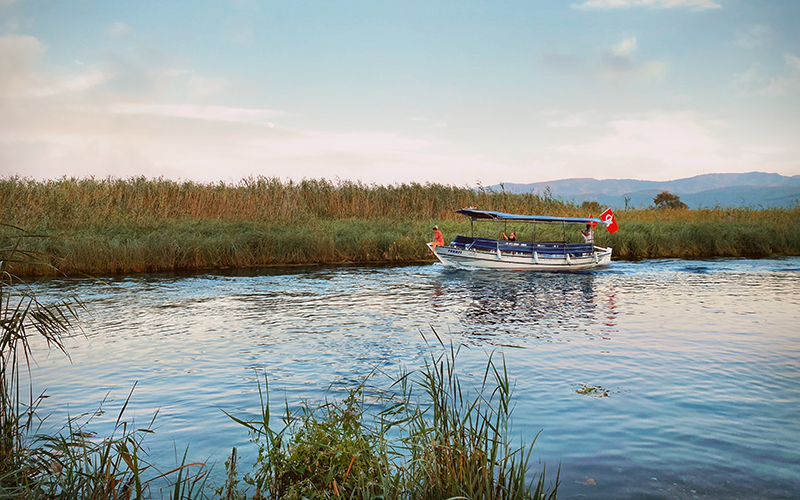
(752, 189)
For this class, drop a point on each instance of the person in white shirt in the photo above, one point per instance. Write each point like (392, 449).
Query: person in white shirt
(588, 234)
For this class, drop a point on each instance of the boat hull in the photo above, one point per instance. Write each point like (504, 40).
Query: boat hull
(465, 258)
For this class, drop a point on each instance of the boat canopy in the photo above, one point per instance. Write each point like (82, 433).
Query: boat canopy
(488, 214)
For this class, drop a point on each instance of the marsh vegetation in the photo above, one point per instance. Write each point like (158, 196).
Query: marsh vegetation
(139, 225)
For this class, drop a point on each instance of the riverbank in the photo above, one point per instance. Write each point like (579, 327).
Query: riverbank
(117, 226)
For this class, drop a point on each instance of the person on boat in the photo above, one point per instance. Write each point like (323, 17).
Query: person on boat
(588, 234)
(438, 239)
(510, 237)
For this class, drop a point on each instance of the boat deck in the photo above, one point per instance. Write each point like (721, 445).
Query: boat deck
(554, 248)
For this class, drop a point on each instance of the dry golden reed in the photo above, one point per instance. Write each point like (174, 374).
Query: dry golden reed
(146, 225)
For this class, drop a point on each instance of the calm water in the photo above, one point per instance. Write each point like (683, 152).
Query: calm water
(701, 361)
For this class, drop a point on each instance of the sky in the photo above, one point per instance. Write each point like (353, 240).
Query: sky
(462, 93)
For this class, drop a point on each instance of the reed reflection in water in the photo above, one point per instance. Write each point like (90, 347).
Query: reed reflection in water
(701, 360)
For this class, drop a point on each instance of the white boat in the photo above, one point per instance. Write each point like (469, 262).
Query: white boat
(470, 252)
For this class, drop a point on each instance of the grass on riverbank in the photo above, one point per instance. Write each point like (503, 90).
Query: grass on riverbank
(452, 442)
(139, 225)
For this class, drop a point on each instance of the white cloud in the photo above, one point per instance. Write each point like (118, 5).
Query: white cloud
(751, 78)
(76, 83)
(618, 62)
(314, 143)
(787, 83)
(18, 55)
(757, 36)
(213, 113)
(677, 142)
(625, 48)
(753, 81)
(661, 4)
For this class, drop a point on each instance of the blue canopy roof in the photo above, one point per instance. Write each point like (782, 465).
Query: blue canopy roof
(488, 214)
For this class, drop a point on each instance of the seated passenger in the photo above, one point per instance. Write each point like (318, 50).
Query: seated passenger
(588, 234)
(438, 238)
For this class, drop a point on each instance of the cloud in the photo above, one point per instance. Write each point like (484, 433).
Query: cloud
(54, 136)
(212, 113)
(787, 83)
(308, 143)
(615, 63)
(748, 81)
(625, 48)
(753, 81)
(18, 55)
(619, 62)
(757, 36)
(619, 59)
(660, 4)
(75, 83)
(673, 142)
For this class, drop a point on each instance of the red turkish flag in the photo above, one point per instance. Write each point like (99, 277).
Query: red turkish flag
(608, 219)
(592, 223)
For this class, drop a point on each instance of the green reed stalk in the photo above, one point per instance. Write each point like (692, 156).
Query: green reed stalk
(72, 463)
(458, 439)
(448, 442)
(114, 226)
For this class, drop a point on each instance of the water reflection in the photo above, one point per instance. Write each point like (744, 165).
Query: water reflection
(532, 305)
(703, 359)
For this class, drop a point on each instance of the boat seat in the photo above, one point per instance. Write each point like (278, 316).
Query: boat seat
(525, 247)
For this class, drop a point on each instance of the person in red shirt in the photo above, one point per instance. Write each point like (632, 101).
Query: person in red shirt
(438, 239)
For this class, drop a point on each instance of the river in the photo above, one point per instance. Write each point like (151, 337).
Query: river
(700, 361)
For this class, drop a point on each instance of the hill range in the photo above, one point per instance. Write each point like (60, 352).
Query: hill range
(752, 190)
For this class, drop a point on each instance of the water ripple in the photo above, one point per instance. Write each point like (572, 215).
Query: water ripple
(701, 359)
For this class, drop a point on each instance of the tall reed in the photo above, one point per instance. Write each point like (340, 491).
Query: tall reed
(457, 439)
(70, 463)
(70, 204)
(450, 441)
(140, 225)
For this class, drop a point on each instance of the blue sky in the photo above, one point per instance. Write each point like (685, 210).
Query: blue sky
(460, 93)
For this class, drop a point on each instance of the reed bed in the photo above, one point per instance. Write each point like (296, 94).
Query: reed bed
(70, 204)
(431, 437)
(132, 225)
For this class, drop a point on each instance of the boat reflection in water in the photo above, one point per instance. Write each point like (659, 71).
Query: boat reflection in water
(528, 305)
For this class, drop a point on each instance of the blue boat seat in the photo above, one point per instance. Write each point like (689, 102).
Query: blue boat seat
(525, 247)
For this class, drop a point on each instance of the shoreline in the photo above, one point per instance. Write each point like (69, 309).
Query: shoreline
(205, 245)
(117, 226)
